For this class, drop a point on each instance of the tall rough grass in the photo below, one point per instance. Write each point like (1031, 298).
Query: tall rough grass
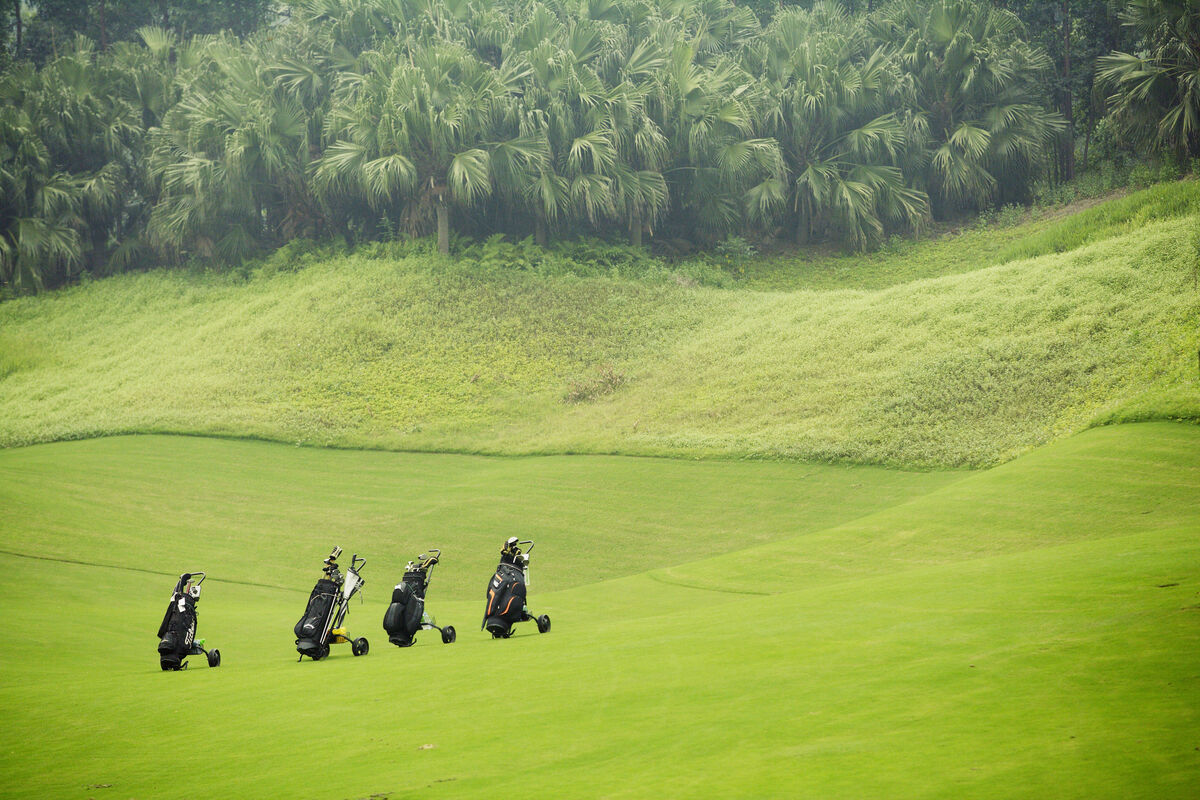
(1122, 215)
(965, 369)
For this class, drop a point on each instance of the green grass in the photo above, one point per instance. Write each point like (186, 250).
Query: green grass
(748, 619)
(962, 370)
(1123, 215)
(168, 499)
(969, 368)
(720, 628)
(953, 251)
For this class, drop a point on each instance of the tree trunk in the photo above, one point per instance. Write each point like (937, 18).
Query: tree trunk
(443, 222)
(1087, 136)
(166, 19)
(635, 226)
(539, 231)
(17, 14)
(103, 28)
(1069, 100)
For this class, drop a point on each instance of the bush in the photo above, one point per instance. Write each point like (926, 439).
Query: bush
(494, 255)
(295, 256)
(398, 248)
(1108, 147)
(733, 253)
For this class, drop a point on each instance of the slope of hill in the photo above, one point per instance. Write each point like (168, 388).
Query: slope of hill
(966, 369)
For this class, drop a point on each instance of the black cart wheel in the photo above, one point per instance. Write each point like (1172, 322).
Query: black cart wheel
(448, 634)
(360, 647)
(543, 623)
(214, 658)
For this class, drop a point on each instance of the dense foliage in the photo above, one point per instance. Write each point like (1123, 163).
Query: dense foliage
(685, 120)
(53, 24)
(1156, 96)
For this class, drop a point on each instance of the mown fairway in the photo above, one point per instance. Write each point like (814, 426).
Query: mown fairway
(720, 628)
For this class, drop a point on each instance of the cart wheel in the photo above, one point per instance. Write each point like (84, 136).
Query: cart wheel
(214, 658)
(360, 647)
(448, 634)
(543, 623)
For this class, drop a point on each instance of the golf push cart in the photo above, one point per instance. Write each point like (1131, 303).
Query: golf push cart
(321, 624)
(177, 633)
(506, 592)
(406, 615)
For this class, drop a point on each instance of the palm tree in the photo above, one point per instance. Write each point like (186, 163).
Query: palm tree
(841, 140)
(712, 112)
(38, 239)
(553, 92)
(231, 156)
(978, 102)
(639, 187)
(411, 132)
(582, 93)
(1156, 94)
(70, 145)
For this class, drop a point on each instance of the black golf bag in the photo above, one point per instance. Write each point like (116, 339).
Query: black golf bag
(506, 592)
(177, 633)
(406, 614)
(321, 625)
(311, 627)
(506, 600)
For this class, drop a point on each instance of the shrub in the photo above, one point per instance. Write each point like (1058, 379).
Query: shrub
(733, 253)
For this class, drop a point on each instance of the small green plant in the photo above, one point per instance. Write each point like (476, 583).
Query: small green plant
(1141, 176)
(733, 254)
(1010, 215)
(605, 382)
(1169, 170)
(494, 254)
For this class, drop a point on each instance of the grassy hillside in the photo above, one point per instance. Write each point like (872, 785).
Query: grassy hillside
(1019, 632)
(966, 369)
(992, 240)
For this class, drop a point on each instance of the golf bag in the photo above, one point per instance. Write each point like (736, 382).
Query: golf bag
(320, 603)
(506, 592)
(177, 633)
(321, 625)
(406, 614)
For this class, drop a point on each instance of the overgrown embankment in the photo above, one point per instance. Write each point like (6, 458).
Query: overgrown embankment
(965, 369)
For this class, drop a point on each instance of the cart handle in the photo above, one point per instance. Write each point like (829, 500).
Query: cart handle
(357, 563)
